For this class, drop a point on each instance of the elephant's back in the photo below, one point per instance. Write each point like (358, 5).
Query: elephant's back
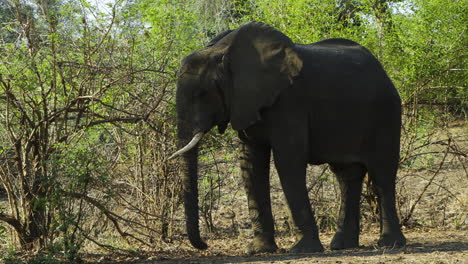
(343, 69)
(334, 42)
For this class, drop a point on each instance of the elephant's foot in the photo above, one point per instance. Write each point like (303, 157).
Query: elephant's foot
(342, 240)
(261, 245)
(308, 244)
(395, 239)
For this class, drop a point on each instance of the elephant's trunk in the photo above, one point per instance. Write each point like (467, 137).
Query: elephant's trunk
(190, 187)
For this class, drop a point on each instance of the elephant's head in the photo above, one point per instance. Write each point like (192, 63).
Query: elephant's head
(231, 80)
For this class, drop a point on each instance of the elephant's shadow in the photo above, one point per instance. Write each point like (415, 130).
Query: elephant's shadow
(352, 255)
(367, 251)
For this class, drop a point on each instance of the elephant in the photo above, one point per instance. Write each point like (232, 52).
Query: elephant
(326, 102)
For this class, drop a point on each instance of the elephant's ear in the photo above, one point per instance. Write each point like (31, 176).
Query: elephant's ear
(263, 63)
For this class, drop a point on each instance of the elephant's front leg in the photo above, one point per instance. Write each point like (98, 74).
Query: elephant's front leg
(292, 172)
(255, 170)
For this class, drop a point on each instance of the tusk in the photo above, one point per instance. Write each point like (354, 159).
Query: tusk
(189, 146)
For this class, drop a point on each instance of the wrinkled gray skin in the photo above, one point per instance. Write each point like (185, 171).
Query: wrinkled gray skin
(326, 102)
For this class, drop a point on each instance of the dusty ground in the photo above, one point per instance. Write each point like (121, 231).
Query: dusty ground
(424, 246)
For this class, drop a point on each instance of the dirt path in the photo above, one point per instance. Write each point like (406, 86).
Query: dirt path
(424, 246)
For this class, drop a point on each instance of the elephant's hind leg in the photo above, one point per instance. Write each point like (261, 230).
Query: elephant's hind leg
(383, 179)
(350, 178)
